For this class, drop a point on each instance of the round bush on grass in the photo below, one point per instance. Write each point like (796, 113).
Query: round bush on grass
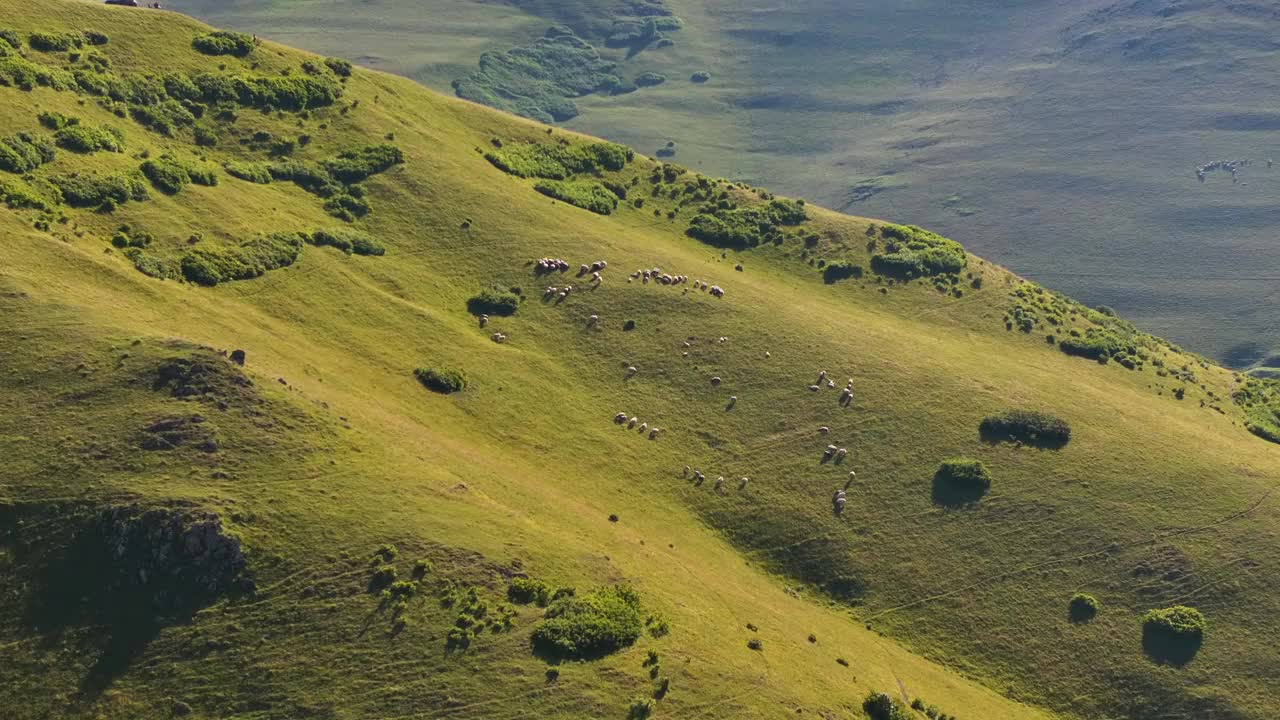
(1172, 635)
(590, 626)
(1082, 607)
(960, 481)
(441, 380)
(493, 302)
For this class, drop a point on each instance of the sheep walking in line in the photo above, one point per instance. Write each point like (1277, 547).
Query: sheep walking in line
(582, 270)
(498, 338)
(742, 484)
(733, 400)
(717, 291)
(620, 418)
(837, 502)
(653, 433)
(853, 477)
(686, 472)
(840, 454)
(698, 477)
(643, 426)
(824, 429)
(719, 483)
(632, 423)
(814, 388)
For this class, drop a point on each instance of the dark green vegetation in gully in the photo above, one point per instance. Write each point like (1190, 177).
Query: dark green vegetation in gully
(306, 530)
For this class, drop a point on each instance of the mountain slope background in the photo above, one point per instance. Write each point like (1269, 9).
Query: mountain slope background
(1060, 140)
(288, 486)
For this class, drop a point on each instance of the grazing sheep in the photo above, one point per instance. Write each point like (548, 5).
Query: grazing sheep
(632, 423)
(715, 381)
(551, 290)
(632, 371)
(643, 426)
(733, 399)
(621, 418)
(841, 453)
(686, 472)
(684, 354)
(839, 506)
(719, 483)
(814, 388)
(484, 320)
(582, 270)
(824, 429)
(498, 337)
(717, 291)
(831, 384)
(822, 375)
(831, 450)
(766, 354)
(743, 483)
(568, 289)
(697, 475)
(646, 279)
(688, 344)
(653, 433)
(724, 339)
(853, 477)
(593, 319)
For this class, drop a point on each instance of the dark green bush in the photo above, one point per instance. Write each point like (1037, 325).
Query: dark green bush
(150, 265)
(312, 178)
(650, 79)
(252, 172)
(912, 252)
(85, 139)
(90, 190)
(24, 152)
(163, 117)
(17, 195)
(355, 165)
(55, 42)
(558, 162)
(700, 77)
(493, 302)
(223, 42)
(206, 134)
(166, 173)
(1082, 607)
(202, 174)
(56, 120)
(93, 37)
(441, 380)
(840, 270)
(1179, 621)
(210, 266)
(880, 706)
(640, 709)
(340, 67)
(590, 626)
(586, 194)
(348, 241)
(966, 472)
(527, 590)
(1027, 426)
(10, 38)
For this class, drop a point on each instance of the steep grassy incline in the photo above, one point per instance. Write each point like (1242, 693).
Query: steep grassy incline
(312, 529)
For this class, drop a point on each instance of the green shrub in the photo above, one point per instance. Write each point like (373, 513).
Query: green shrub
(1178, 621)
(340, 67)
(85, 139)
(700, 77)
(839, 270)
(166, 173)
(210, 266)
(640, 709)
(93, 37)
(90, 190)
(55, 42)
(56, 120)
(355, 165)
(558, 162)
(1082, 607)
(493, 302)
(590, 626)
(206, 134)
(24, 152)
(202, 174)
(879, 706)
(650, 79)
(527, 590)
(441, 380)
(965, 472)
(18, 195)
(163, 117)
(252, 172)
(348, 241)
(1028, 426)
(150, 265)
(223, 42)
(586, 194)
(912, 252)
(10, 38)
(724, 224)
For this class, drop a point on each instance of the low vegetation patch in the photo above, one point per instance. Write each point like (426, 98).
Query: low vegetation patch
(85, 139)
(650, 79)
(1026, 426)
(586, 194)
(726, 224)
(589, 626)
(960, 481)
(252, 172)
(167, 174)
(348, 241)
(24, 152)
(100, 191)
(913, 252)
(559, 161)
(251, 259)
(1082, 608)
(55, 42)
(493, 302)
(441, 380)
(224, 42)
(840, 270)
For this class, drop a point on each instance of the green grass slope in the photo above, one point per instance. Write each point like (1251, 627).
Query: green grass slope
(1026, 130)
(183, 535)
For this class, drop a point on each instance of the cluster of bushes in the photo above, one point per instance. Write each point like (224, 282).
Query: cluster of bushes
(913, 252)
(586, 194)
(170, 174)
(352, 166)
(1260, 399)
(880, 706)
(224, 42)
(725, 224)
(337, 179)
(252, 172)
(55, 42)
(839, 270)
(338, 66)
(596, 624)
(524, 591)
(101, 191)
(348, 241)
(150, 265)
(210, 266)
(56, 120)
(17, 195)
(1103, 345)
(493, 302)
(24, 152)
(441, 380)
(1028, 426)
(85, 139)
(17, 71)
(127, 237)
(559, 161)
(650, 79)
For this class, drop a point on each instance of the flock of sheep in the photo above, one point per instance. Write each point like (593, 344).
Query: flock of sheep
(662, 278)
(621, 419)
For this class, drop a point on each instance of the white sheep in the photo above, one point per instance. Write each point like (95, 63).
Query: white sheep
(733, 399)
(653, 433)
(688, 344)
(831, 384)
(831, 449)
(498, 337)
(824, 429)
(632, 370)
(620, 418)
(719, 483)
(743, 483)
(686, 472)
(814, 388)
(766, 354)
(841, 453)
(632, 423)
(715, 381)
(822, 375)
(643, 426)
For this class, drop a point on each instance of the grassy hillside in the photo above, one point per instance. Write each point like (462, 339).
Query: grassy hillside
(184, 534)
(1026, 130)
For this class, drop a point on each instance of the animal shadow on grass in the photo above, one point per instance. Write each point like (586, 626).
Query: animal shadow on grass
(1166, 648)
